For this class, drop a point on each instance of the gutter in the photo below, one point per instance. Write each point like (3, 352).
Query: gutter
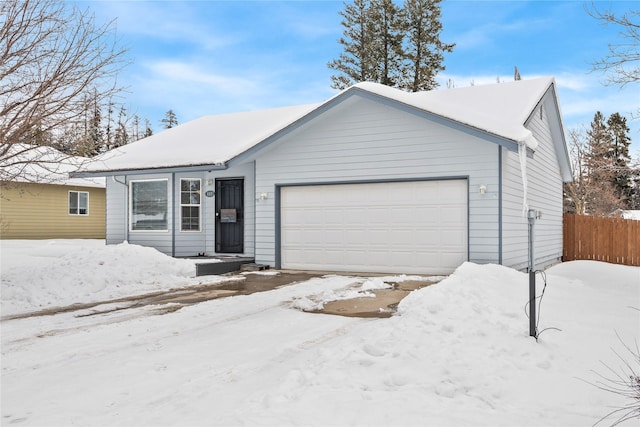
(147, 171)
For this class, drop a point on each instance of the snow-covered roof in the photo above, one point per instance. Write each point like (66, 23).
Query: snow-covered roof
(45, 165)
(498, 109)
(209, 140)
(631, 214)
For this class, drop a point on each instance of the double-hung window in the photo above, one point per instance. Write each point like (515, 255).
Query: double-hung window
(149, 205)
(78, 203)
(190, 204)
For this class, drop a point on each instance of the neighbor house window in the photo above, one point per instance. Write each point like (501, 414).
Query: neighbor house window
(149, 205)
(190, 204)
(78, 203)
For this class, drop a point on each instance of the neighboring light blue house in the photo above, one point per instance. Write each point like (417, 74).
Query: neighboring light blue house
(373, 180)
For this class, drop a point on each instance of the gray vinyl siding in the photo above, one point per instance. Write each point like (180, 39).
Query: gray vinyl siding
(362, 139)
(117, 211)
(544, 194)
(174, 241)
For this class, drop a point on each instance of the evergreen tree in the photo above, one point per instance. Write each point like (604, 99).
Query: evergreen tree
(392, 45)
(356, 63)
(424, 51)
(121, 136)
(606, 181)
(599, 143)
(516, 74)
(170, 120)
(601, 196)
(618, 154)
(148, 130)
(88, 137)
(135, 128)
(388, 23)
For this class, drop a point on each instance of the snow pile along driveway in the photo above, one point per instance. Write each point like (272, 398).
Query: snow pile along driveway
(456, 353)
(57, 273)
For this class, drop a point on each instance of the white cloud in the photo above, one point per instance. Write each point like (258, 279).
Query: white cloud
(174, 21)
(193, 76)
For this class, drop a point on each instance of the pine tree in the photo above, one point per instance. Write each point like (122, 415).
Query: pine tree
(121, 136)
(170, 120)
(618, 154)
(599, 143)
(602, 198)
(88, 140)
(516, 74)
(424, 51)
(148, 130)
(609, 174)
(388, 28)
(135, 128)
(395, 46)
(356, 63)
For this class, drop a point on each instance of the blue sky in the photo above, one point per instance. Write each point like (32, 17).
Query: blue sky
(209, 57)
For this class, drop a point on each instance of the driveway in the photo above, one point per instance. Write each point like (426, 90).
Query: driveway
(383, 305)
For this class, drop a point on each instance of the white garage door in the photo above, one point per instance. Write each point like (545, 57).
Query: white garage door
(396, 227)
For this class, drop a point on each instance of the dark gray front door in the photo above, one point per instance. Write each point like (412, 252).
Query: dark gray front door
(230, 215)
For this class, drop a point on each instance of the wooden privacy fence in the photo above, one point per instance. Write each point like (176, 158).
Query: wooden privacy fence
(613, 240)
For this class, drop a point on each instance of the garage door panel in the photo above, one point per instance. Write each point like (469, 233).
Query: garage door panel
(403, 227)
(453, 214)
(453, 238)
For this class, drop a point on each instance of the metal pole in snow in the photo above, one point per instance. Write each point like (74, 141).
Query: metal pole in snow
(531, 216)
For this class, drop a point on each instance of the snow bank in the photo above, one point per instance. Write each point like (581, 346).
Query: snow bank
(64, 272)
(457, 353)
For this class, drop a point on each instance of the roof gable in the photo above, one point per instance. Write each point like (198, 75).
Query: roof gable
(500, 109)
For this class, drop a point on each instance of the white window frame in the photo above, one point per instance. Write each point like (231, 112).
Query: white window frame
(199, 205)
(78, 207)
(160, 230)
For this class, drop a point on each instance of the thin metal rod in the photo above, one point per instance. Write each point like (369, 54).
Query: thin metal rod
(532, 304)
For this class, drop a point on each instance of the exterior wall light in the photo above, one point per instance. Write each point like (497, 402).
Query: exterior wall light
(483, 188)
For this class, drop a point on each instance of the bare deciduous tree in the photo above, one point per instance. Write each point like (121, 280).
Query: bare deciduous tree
(622, 63)
(577, 192)
(52, 56)
(589, 193)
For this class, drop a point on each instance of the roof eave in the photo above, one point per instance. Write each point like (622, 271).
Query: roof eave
(149, 171)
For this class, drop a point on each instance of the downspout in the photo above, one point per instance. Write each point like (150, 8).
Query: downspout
(255, 211)
(173, 214)
(499, 205)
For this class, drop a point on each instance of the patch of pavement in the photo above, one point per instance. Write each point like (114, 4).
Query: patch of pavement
(384, 304)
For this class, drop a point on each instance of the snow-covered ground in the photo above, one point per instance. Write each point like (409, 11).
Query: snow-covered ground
(457, 353)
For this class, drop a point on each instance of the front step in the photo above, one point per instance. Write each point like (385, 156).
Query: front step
(254, 267)
(225, 265)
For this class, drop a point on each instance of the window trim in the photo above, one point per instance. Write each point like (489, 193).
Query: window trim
(164, 230)
(199, 205)
(77, 207)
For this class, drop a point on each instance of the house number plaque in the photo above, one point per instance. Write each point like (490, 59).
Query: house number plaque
(209, 193)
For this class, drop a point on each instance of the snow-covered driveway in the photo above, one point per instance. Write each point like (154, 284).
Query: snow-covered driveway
(457, 353)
